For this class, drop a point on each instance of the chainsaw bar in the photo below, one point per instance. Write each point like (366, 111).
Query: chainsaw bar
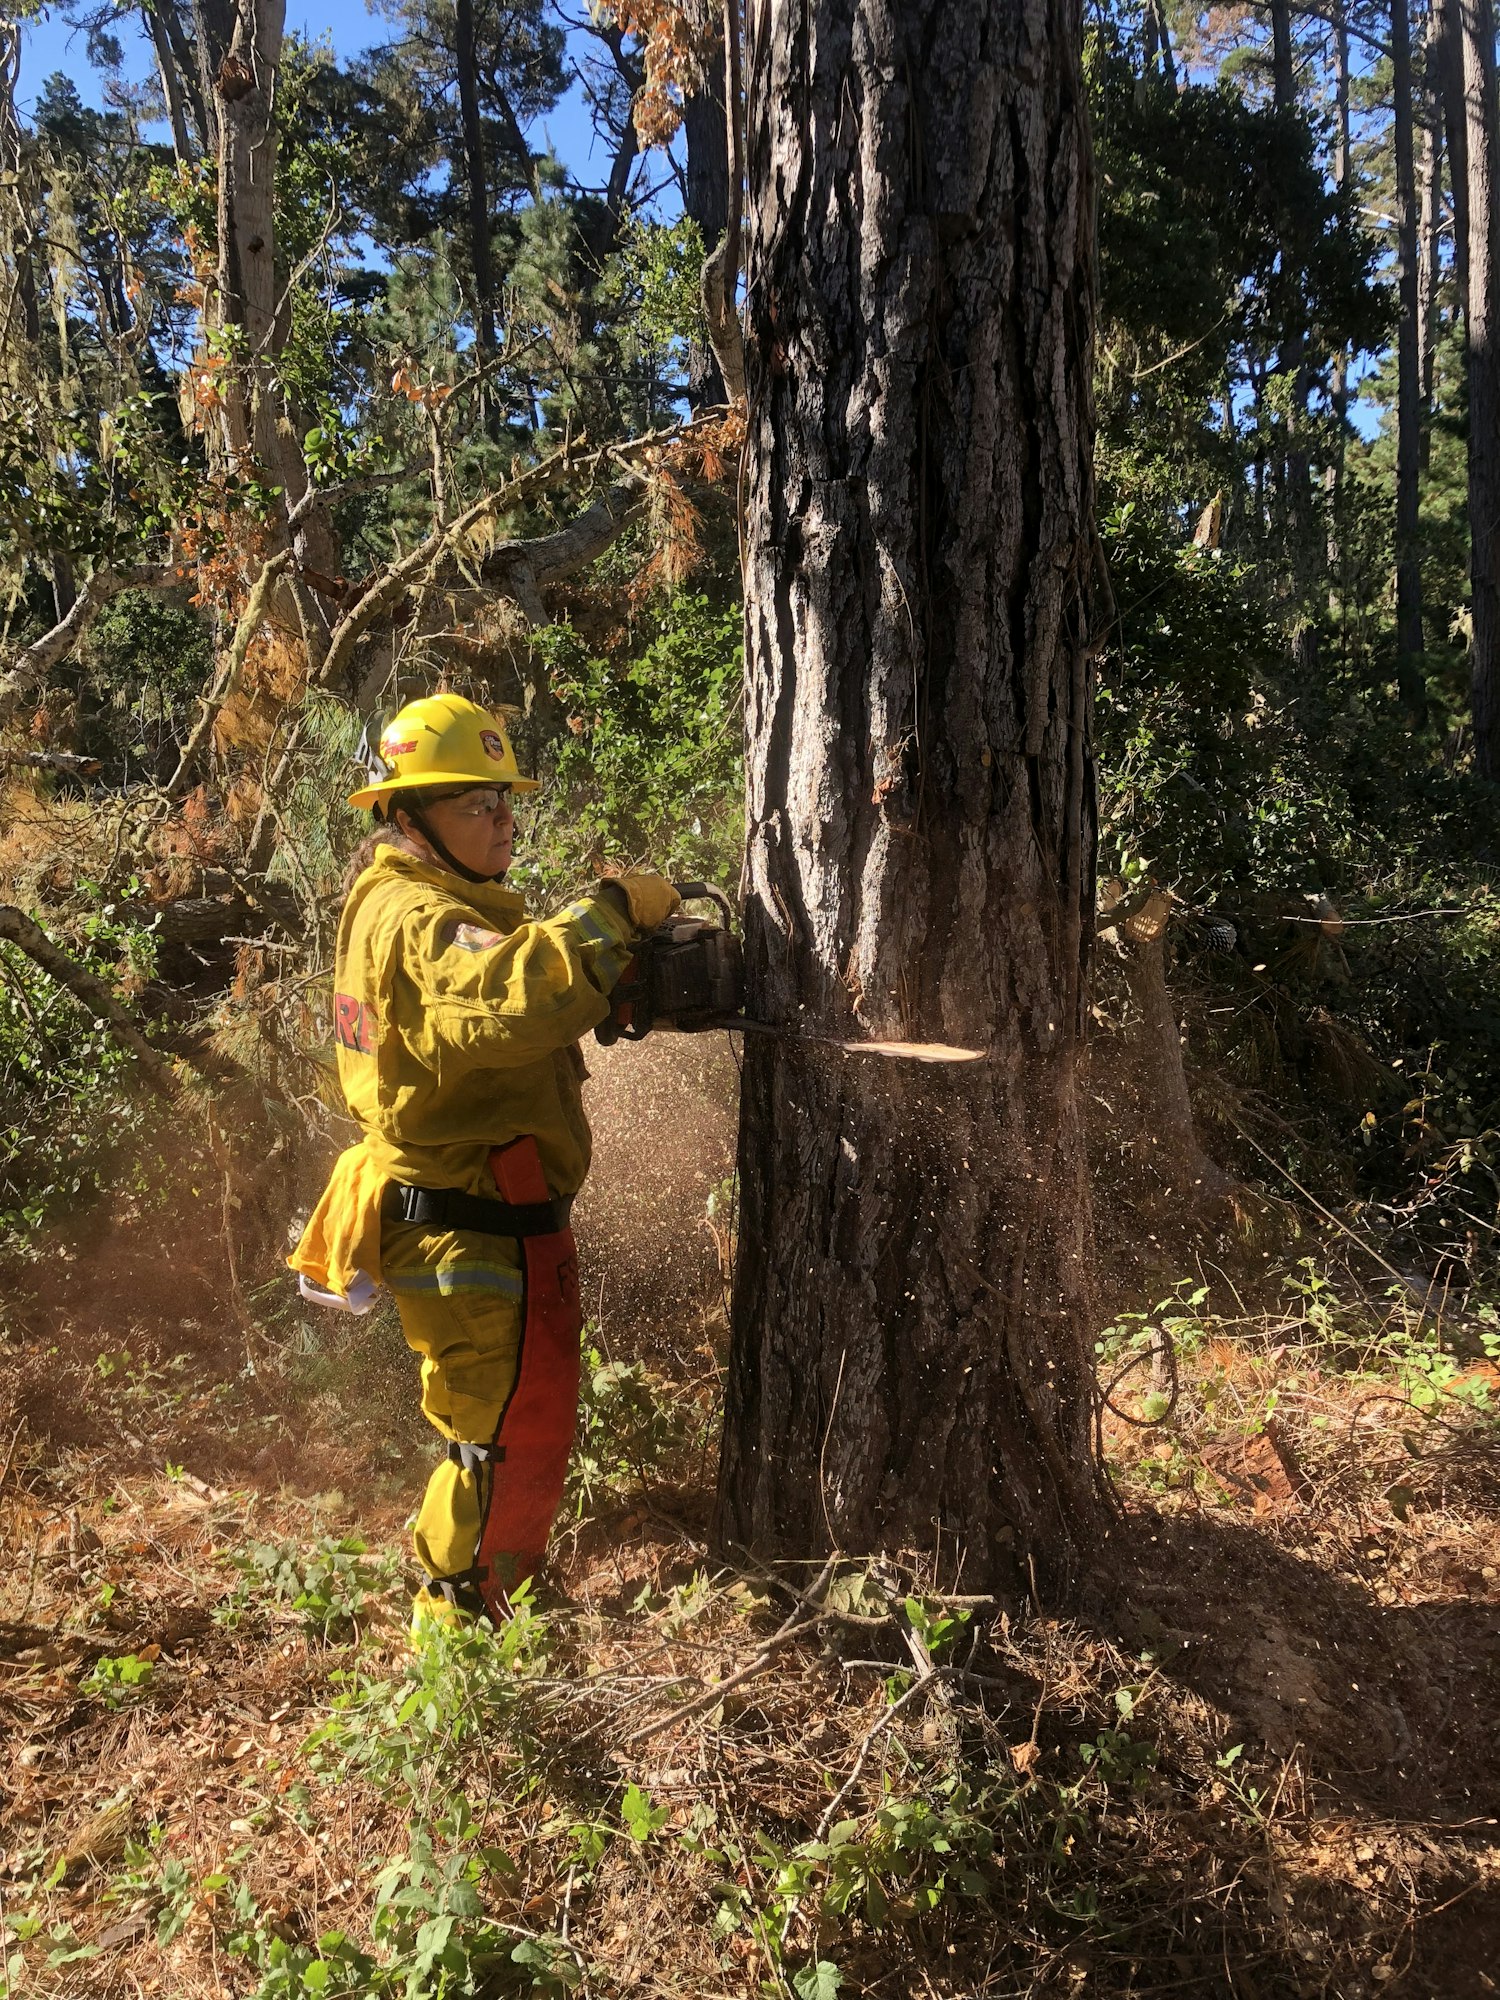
(689, 975)
(927, 1052)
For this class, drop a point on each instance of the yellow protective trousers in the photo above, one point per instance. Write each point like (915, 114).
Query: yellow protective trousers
(499, 1346)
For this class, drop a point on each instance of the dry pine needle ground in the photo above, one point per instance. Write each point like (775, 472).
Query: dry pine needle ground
(1261, 1761)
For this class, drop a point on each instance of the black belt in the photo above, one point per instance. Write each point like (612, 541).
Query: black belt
(449, 1208)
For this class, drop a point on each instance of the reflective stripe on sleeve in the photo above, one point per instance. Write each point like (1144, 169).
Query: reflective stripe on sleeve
(612, 952)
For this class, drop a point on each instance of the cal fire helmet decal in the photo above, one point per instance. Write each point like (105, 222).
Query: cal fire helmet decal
(494, 745)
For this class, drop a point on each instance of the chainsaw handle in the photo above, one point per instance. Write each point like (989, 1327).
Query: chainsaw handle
(693, 892)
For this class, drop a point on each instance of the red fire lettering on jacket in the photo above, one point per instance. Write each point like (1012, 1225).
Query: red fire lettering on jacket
(354, 1024)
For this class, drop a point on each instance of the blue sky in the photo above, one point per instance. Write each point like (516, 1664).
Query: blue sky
(50, 44)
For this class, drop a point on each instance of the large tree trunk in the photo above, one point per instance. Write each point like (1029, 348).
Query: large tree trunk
(1478, 42)
(1410, 672)
(909, 1364)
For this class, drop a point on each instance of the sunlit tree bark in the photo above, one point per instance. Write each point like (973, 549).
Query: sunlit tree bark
(909, 1364)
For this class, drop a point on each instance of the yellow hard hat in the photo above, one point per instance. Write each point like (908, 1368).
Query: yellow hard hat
(440, 740)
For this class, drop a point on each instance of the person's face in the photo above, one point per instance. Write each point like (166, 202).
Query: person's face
(476, 826)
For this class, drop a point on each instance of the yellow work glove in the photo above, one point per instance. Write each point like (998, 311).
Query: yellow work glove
(650, 899)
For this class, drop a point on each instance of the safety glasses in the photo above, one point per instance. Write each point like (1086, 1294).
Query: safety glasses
(475, 803)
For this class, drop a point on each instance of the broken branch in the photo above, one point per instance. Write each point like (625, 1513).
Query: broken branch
(18, 929)
(229, 679)
(34, 661)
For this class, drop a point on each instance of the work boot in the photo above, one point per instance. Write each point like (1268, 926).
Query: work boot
(455, 1610)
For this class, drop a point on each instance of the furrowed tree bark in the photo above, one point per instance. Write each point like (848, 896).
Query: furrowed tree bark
(909, 1363)
(1477, 24)
(1411, 679)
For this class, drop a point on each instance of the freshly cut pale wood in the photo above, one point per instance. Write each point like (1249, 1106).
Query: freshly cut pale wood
(926, 1052)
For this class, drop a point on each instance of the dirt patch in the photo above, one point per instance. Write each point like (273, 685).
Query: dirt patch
(651, 1256)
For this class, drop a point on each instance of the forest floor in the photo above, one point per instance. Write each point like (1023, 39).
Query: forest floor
(1262, 1757)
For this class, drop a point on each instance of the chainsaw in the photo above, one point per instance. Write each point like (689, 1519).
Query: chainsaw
(689, 975)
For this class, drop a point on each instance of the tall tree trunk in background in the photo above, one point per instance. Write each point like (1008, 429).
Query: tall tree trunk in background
(478, 194)
(176, 19)
(18, 206)
(1283, 69)
(259, 436)
(247, 231)
(1159, 44)
(1333, 473)
(1429, 264)
(1483, 329)
(719, 287)
(1410, 670)
(909, 1365)
(705, 126)
(1447, 69)
(171, 84)
(1163, 37)
(1298, 524)
(214, 24)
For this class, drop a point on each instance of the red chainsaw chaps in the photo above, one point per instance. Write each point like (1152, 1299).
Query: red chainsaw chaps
(538, 1421)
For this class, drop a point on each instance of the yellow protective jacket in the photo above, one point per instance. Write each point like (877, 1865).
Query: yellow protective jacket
(457, 1019)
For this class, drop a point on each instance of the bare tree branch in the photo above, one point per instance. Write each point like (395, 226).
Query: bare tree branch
(33, 662)
(392, 584)
(66, 761)
(18, 929)
(229, 679)
(520, 570)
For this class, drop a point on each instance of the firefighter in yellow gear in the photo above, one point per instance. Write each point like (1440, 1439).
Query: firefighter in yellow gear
(457, 1020)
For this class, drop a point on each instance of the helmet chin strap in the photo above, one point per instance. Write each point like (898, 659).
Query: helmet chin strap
(439, 847)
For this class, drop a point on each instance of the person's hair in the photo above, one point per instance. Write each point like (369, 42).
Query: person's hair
(385, 832)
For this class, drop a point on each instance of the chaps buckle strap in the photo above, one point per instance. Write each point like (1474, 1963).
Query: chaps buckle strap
(449, 1208)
